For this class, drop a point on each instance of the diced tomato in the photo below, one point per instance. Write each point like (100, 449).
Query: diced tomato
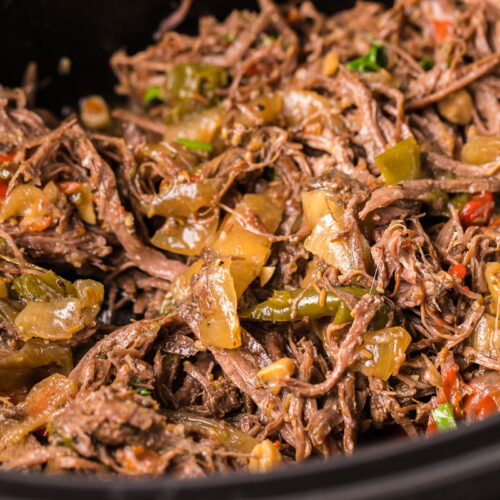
(477, 212)
(431, 427)
(3, 189)
(7, 156)
(485, 408)
(443, 30)
(69, 187)
(458, 271)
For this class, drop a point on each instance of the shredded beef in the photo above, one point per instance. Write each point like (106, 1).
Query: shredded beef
(249, 181)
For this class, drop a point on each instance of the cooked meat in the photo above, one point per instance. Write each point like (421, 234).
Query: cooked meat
(287, 240)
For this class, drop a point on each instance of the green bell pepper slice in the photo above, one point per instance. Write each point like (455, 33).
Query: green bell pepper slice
(371, 61)
(443, 417)
(401, 162)
(188, 80)
(311, 305)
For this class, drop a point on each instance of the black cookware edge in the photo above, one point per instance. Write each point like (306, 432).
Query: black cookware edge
(458, 464)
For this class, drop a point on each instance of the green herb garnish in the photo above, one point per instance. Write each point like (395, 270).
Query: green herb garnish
(269, 39)
(443, 417)
(196, 145)
(426, 63)
(153, 93)
(228, 38)
(372, 61)
(143, 391)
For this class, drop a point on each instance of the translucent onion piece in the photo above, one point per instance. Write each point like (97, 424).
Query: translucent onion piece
(486, 336)
(61, 318)
(26, 201)
(479, 150)
(202, 126)
(276, 372)
(492, 275)
(330, 63)
(84, 203)
(184, 237)
(250, 250)
(326, 218)
(267, 109)
(22, 367)
(94, 112)
(42, 401)
(182, 199)
(383, 352)
(228, 435)
(265, 456)
(456, 107)
(219, 325)
(301, 104)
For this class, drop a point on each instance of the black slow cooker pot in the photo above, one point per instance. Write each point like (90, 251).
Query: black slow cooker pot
(464, 463)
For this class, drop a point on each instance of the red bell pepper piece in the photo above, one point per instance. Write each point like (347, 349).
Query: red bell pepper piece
(485, 407)
(458, 271)
(477, 212)
(7, 156)
(431, 427)
(443, 29)
(3, 189)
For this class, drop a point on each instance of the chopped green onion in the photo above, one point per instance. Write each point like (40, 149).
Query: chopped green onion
(153, 93)
(197, 145)
(426, 63)
(443, 417)
(372, 61)
(227, 37)
(143, 391)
